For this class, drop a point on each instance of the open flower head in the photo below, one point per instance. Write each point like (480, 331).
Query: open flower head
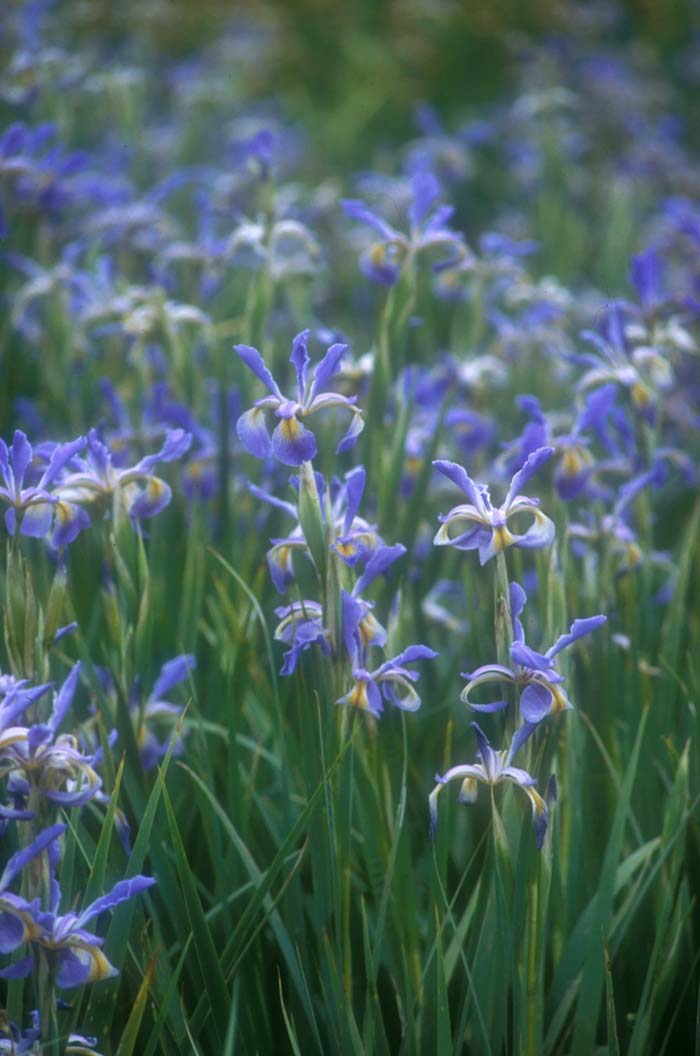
(291, 442)
(478, 525)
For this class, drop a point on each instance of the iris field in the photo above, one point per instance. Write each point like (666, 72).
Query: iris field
(349, 482)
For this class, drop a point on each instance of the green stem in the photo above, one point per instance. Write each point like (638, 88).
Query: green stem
(532, 1008)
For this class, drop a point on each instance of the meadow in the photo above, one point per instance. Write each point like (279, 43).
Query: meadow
(349, 483)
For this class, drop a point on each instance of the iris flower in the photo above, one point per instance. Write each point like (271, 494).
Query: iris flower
(96, 476)
(492, 768)
(292, 443)
(543, 691)
(391, 681)
(484, 527)
(35, 509)
(384, 260)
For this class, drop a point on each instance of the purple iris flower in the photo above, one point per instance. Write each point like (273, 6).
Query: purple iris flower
(391, 681)
(18, 917)
(492, 768)
(96, 476)
(384, 260)
(52, 764)
(157, 710)
(36, 509)
(354, 537)
(300, 627)
(78, 953)
(292, 443)
(542, 685)
(487, 526)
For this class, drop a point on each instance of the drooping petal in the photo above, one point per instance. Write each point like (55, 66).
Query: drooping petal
(82, 963)
(36, 520)
(254, 361)
(483, 676)
(536, 702)
(177, 442)
(253, 434)
(541, 532)
(151, 500)
(293, 443)
(69, 521)
(349, 439)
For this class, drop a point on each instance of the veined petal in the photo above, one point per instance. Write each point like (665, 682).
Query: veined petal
(468, 540)
(37, 519)
(535, 702)
(292, 443)
(254, 361)
(253, 434)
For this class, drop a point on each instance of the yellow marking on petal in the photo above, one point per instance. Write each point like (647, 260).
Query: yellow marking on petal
(368, 628)
(502, 537)
(641, 397)
(469, 790)
(358, 696)
(346, 549)
(414, 465)
(572, 463)
(559, 702)
(634, 555)
(290, 429)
